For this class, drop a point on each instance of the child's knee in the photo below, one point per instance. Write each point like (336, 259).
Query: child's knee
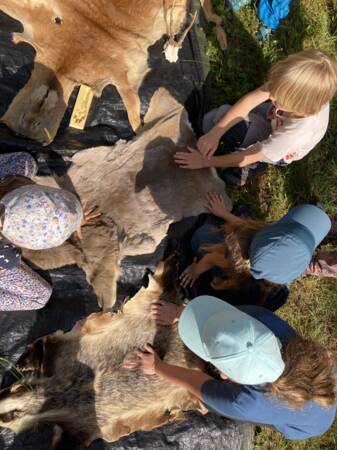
(212, 117)
(41, 295)
(29, 164)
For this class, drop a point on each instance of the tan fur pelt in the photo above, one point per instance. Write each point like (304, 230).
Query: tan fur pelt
(90, 42)
(79, 382)
(140, 192)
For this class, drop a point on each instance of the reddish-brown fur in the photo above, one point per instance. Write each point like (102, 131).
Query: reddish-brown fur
(95, 43)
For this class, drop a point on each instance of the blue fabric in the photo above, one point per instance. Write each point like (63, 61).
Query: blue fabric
(281, 252)
(279, 327)
(271, 12)
(312, 217)
(251, 404)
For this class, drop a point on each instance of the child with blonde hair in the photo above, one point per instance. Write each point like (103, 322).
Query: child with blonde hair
(285, 129)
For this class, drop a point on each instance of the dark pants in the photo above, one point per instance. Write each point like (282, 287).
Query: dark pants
(234, 139)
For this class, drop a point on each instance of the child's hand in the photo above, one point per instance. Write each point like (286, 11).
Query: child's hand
(192, 159)
(89, 216)
(146, 361)
(216, 205)
(165, 313)
(190, 274)
(208, 143)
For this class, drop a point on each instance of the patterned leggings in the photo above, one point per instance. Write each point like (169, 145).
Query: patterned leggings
(20, 163)
(21, 288)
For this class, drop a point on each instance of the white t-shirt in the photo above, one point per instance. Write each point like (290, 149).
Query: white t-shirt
(295, 137)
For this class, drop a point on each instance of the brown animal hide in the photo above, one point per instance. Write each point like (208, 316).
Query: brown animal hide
(140, 192)
(90, 42)
(80, 385)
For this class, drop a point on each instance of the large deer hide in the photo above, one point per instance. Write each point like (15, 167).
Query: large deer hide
(140, 192)
(91, 42)
(80, 385)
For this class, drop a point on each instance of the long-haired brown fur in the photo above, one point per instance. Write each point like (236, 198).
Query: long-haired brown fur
(232, 255)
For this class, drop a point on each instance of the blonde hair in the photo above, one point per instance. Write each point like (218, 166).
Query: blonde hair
(303, 82)
(232, 255)
(308, 375)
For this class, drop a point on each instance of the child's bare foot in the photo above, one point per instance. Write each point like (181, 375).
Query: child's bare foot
(323, 264)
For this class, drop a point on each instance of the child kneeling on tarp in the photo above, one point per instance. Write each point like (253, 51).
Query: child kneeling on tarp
(32, 217)
(285, 129)
(269, 374)
(272, 253)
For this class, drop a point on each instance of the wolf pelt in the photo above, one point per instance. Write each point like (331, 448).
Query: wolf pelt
(78, 381)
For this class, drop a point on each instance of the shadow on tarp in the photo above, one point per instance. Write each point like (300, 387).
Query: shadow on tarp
(81, 377)
(193, 433)
(197, 432)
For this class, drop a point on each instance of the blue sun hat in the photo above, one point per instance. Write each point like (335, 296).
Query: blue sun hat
(237, 344)
(281, 252)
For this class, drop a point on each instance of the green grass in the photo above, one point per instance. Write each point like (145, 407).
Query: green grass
(311, 308)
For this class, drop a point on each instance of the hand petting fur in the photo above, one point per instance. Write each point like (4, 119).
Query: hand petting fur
(79, 382)
(138, 189)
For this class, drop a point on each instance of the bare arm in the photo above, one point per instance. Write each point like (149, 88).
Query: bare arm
(216, 205)
(240, 110)
(209, 142)
(193, 159)
(192, 380)
(150, 364)
(241, 158)
(192, 272)
(205, 263)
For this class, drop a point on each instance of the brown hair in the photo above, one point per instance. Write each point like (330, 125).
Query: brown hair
(232, 255)
(303, 82)
(309, 375)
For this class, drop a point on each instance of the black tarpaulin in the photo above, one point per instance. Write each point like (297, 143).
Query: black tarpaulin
(72, 297)
(198, 432)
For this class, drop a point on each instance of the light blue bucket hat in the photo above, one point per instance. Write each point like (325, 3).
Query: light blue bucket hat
(281, 252)
(237, 344)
